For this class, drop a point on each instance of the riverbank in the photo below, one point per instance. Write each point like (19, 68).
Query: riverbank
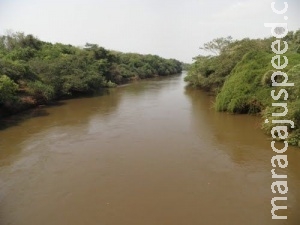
(240, 77)
(34, 72)
(25, 103)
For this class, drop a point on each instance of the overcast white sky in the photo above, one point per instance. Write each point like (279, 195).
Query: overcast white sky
(169, 28)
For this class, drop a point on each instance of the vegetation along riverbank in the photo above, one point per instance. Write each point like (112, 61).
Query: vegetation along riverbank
(34, 72)
(239, 73)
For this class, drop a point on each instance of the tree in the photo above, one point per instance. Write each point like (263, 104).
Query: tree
(216, 46)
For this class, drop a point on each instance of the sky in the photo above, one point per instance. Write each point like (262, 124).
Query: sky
(168, 28)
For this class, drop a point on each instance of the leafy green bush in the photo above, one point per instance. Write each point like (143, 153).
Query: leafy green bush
(8, 89)
(210, 72)
(110, 84)
(248, 85)
(40, 91)
(242, 91)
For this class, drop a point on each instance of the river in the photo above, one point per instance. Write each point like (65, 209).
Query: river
(149, 153)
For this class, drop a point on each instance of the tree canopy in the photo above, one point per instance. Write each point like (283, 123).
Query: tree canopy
(36, 71)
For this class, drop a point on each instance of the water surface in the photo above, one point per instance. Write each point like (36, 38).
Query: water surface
(148, 153)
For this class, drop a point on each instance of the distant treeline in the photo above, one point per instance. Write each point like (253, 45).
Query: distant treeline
(239, 73)
(36, 72)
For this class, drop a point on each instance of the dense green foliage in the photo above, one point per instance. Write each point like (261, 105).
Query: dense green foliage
(209, 72)
(8, 89)
(36, 72)
(240, 75)
(293, 105)
(186, 66)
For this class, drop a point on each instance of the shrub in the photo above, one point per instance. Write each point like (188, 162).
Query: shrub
(8, 89)
(40, 91)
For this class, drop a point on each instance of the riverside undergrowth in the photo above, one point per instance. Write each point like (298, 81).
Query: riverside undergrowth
(240, 77)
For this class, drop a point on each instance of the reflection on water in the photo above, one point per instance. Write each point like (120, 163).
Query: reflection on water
(152, 152)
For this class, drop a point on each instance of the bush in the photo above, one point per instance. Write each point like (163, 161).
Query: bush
(8, 89)
(40, 91)
(242, 91)
(110, 84)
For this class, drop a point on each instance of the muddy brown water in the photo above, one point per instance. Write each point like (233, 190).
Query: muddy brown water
(148, 153)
